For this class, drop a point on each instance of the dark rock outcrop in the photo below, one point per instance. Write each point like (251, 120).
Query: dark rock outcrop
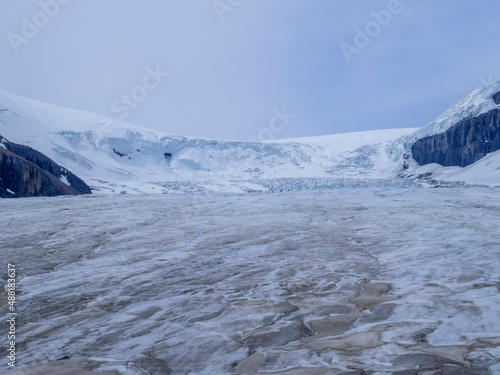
(496, 98)
(464, 143)
(25, 172)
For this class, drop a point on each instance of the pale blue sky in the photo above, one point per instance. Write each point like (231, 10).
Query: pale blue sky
(227, 77)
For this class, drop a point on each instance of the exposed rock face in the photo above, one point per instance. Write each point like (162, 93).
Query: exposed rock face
(496, 98)
(464, 143)
(25, 172)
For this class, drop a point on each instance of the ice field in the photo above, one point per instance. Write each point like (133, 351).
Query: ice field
(360, 281)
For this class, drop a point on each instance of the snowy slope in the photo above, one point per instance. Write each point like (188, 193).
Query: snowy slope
(484, 172)
(472, 105)
(115, 156)
(338, 143)
(112, 155)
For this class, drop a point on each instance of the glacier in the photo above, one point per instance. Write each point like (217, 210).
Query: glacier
(113, 156)
(340, 281)
(333, 265)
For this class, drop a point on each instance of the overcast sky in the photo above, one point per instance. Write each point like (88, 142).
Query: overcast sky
(246, 69)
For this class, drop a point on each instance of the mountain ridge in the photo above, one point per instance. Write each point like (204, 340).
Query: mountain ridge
(25, 172)
(115, 156)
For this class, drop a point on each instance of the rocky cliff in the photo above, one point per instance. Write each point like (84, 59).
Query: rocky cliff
(464, 143)
(25, 172)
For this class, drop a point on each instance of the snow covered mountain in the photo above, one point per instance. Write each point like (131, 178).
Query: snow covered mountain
(25, 172)
(115, 156)
(468, 131)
